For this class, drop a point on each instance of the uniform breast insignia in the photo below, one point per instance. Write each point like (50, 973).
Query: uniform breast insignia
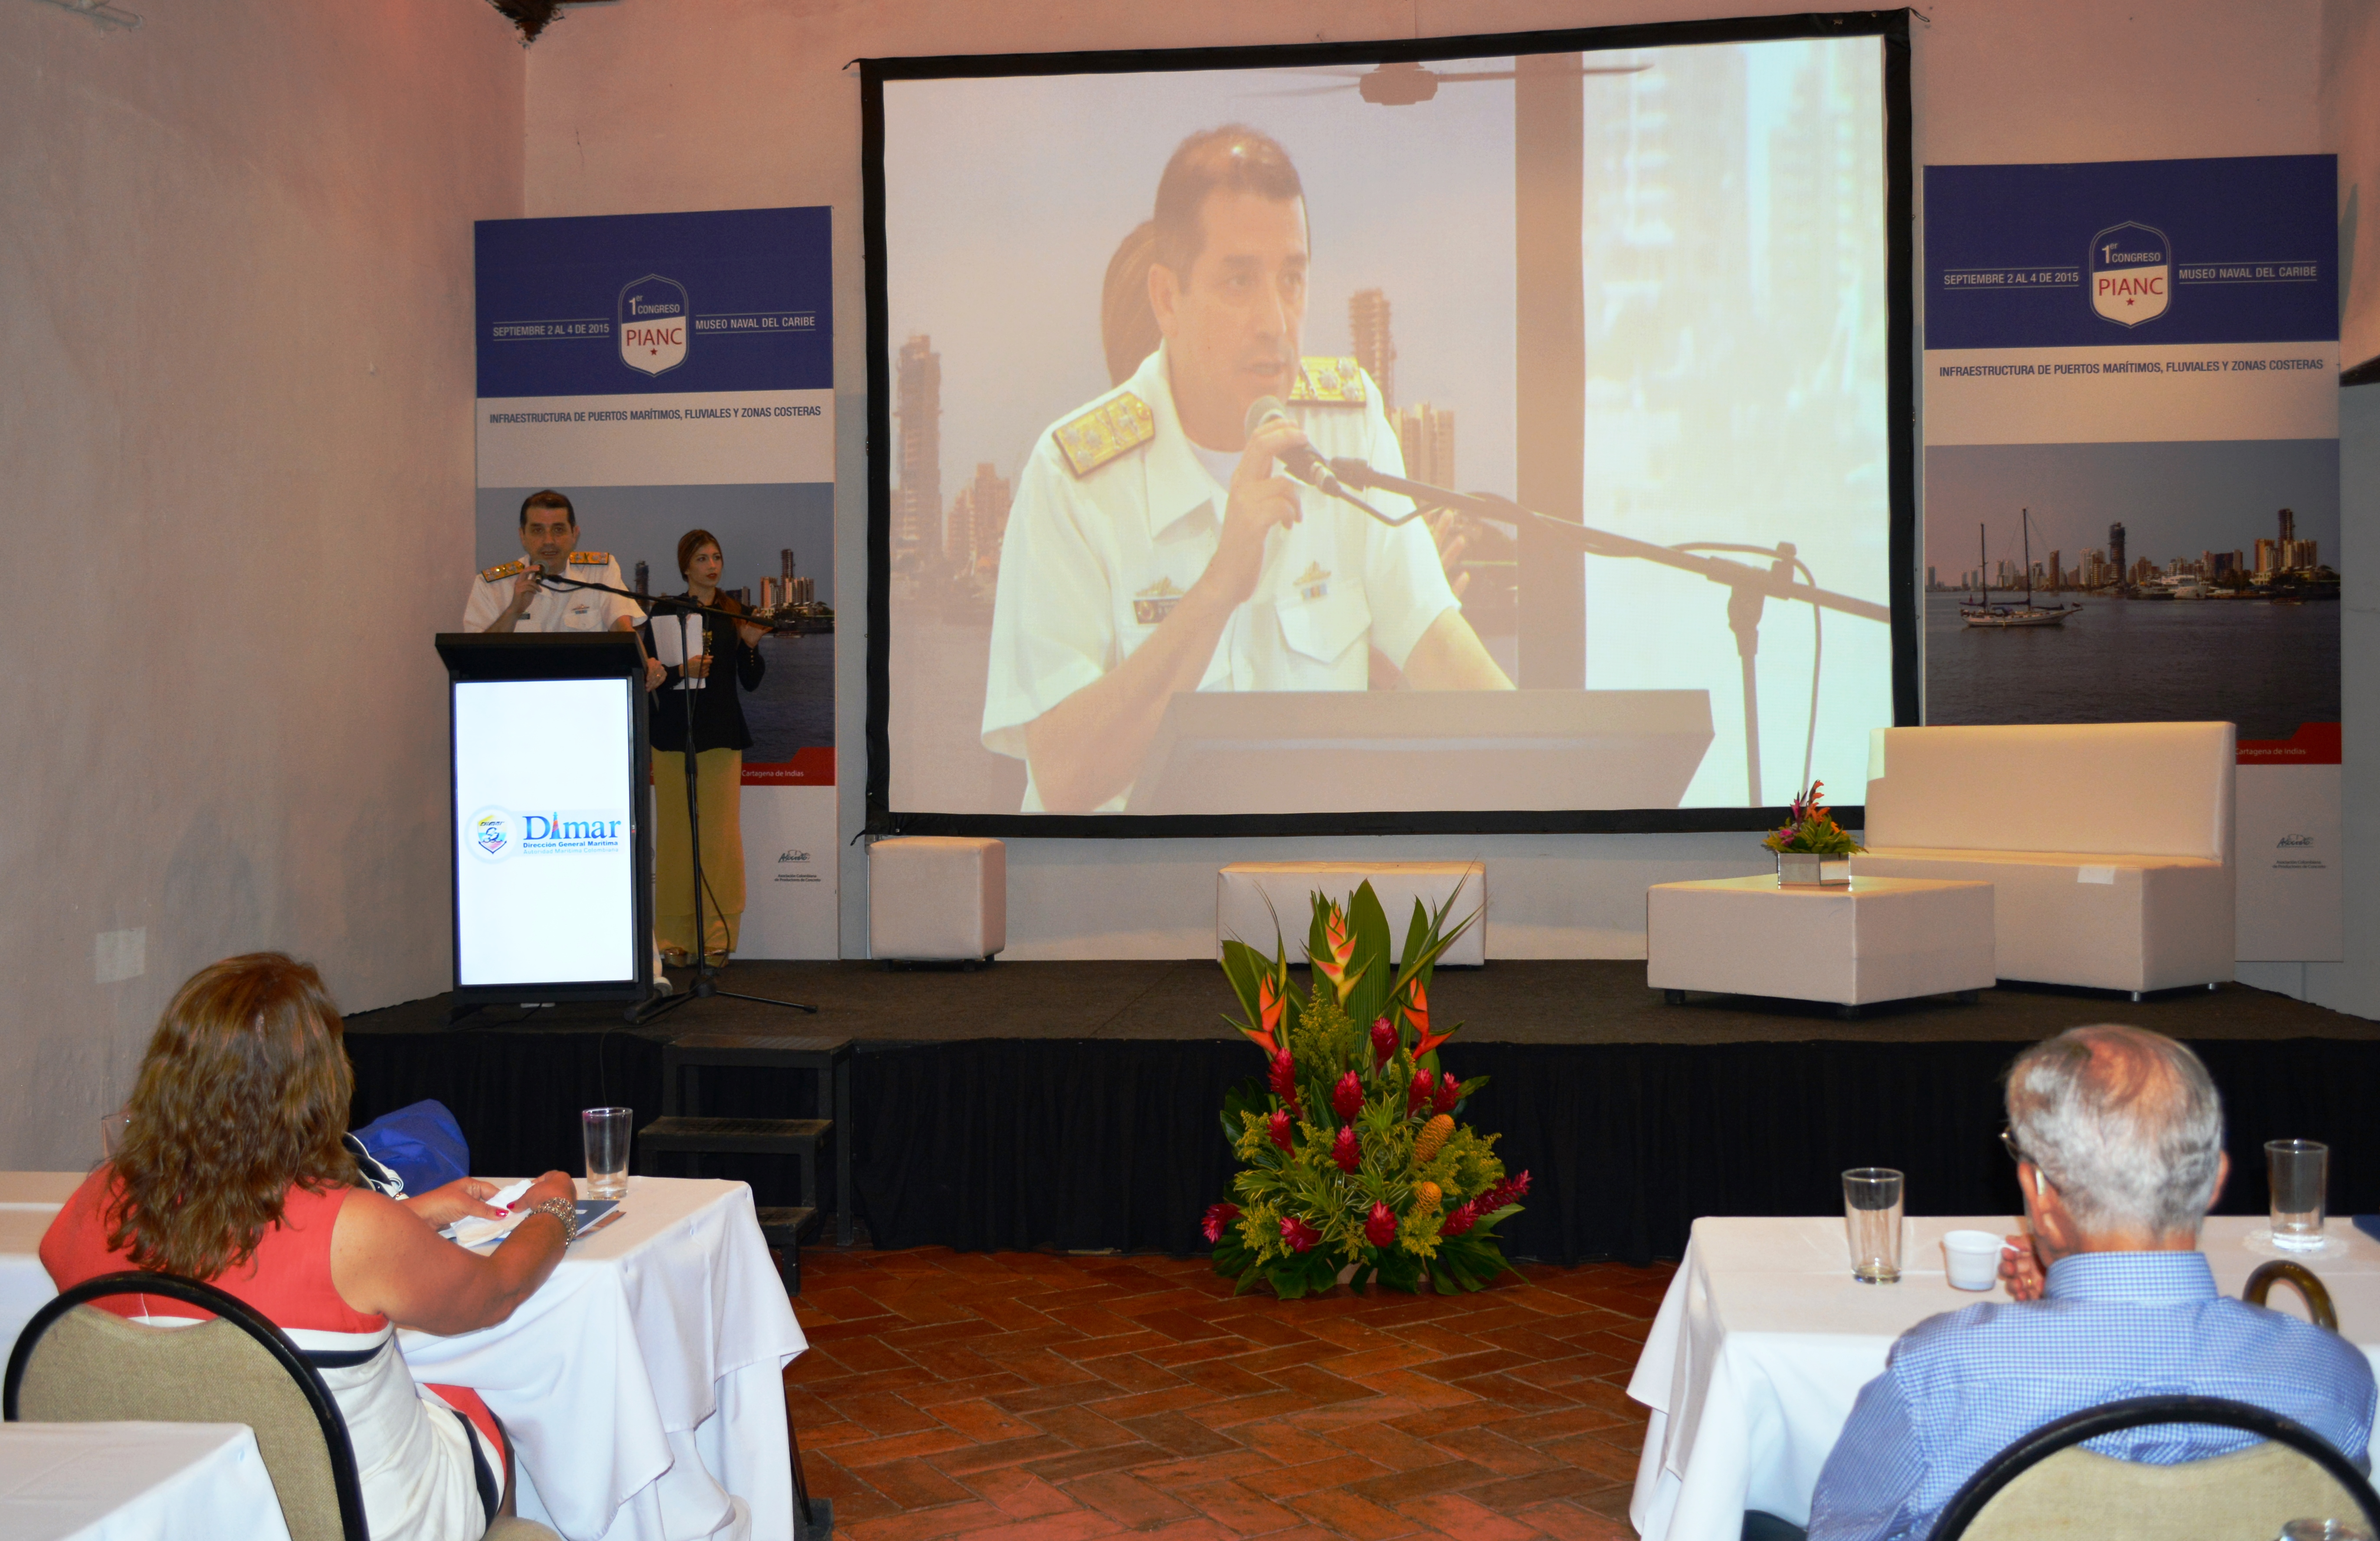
(1120, 424)
(1155, 603)
(1314, 583)
(504, 570)
(1328, 382)
(590, 559)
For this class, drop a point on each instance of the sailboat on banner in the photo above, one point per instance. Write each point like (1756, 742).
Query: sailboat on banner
(1982, 613)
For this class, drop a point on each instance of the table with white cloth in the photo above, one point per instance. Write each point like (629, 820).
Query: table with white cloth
(134, 1481)
(1764, 1341)
(641, 1384)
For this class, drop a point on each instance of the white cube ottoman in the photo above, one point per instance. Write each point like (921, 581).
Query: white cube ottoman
(1249, 895)
(937, 898)
(1881, 939)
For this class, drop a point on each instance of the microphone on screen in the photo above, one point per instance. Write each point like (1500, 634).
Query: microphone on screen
(1299, 460)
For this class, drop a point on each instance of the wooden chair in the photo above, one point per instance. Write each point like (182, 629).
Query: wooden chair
(75, 1363)
(2045, 1485)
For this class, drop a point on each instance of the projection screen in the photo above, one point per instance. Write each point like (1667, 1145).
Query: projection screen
(1605, 337)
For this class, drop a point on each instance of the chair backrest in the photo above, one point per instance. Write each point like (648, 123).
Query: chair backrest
(75, 1363)
(2146, 789)
(2046, 1485)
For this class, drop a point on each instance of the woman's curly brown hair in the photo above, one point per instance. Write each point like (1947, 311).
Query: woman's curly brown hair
(243, 1092)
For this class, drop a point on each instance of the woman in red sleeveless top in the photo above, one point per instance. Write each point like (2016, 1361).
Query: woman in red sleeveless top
(232, 1171)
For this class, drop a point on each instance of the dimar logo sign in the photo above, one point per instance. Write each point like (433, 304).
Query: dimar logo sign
(496, 834)
(2131, 269)
(656, 321)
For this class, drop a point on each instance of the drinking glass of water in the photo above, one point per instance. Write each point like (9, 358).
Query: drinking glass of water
(2299, 1174)
(607, 1150)
(1872, 1217)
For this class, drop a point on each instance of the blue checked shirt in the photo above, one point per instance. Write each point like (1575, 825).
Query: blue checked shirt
(1959, 1387)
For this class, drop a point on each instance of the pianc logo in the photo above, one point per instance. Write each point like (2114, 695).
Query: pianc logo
(499, 834)
(2131, 273)
(655, 324)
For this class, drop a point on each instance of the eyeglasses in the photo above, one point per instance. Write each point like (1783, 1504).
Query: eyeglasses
(2007, 1143)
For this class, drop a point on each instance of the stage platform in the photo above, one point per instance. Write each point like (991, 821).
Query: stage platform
(1074, 1106)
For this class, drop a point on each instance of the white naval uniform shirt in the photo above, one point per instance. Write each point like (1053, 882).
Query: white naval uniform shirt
(554, 608)
(1080, 552)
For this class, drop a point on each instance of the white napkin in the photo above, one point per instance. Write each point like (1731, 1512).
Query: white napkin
(477, 1231)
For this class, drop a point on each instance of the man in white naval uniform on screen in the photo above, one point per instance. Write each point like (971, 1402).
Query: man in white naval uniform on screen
(1151, 547)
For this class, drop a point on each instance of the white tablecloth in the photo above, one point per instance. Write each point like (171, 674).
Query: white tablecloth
(640, 1384)
(134, 1481)
(1765, 1340)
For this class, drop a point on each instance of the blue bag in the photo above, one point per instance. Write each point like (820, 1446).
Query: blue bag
(422, 1143)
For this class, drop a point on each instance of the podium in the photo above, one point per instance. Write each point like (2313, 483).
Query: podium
(1445, 751)
(552, 852)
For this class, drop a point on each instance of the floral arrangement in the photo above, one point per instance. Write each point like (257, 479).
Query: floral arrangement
(1355, 1166)
(1811, 827)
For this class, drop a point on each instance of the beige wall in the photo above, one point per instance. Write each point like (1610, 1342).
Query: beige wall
(660, 104)
(235, 436)
(2351, 121)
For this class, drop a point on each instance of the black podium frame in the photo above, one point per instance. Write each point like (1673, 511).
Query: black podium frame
(482, 657)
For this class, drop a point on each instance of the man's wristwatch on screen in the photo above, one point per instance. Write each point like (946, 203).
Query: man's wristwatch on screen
(563, 1210)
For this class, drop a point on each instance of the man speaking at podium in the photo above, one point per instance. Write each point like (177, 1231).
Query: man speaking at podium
(511, 596)
(1120, 585)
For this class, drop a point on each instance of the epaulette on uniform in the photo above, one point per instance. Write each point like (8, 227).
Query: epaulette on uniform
(1328, 382)
(590, 559)
(1115, 427)
(504, 570)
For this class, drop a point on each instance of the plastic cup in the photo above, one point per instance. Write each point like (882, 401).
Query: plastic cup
(607, 1131)
(2299, 1174)
(1971, 1258)
(1872, 1220)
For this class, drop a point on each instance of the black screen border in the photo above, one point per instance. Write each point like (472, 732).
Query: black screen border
(1901, 411)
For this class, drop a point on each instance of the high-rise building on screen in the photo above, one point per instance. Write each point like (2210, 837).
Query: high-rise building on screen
(917, 403)
(1367, 323)
(1425, 438)
(2115, 552)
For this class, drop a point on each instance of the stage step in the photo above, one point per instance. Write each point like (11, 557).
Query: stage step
(680, 1128)
(736, 1136)
(784, 1228)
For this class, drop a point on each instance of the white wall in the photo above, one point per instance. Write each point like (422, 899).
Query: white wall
(236, 386)
(671, 104)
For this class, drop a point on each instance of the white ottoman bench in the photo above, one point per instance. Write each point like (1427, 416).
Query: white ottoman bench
(1242, 889)
(937, 898)
(1881, 939)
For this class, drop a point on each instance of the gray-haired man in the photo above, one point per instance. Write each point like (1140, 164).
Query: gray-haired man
(2118, 1136)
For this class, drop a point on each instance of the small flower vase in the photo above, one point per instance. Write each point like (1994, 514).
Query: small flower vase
(1810, 869)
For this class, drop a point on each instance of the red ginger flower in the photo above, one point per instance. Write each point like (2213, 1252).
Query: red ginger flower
(1277, 1127)
(1449, 1092)
(1347, 1096)
(1300, 1236)
(1384, 1042)
(1510, 1191)
(1284, 1078)
(1345, 1151)
(1218, 1216)
(1380, 1225)
(1460, 1220)
(1417, 1096)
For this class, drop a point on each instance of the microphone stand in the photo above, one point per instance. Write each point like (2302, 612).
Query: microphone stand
(705, 983)
(1749, 588)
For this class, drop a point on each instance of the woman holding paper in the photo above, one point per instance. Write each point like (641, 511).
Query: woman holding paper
(232, 1171)
(718, 655)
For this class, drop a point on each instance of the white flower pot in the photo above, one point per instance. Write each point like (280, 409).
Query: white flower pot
(1809, 869)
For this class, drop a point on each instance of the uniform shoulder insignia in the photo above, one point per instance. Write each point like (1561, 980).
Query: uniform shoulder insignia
(1115, 427)
(504, 570)
(1330, 382)
(590, 559)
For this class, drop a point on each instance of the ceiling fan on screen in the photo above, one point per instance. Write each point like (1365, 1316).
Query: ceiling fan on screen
(1403, 84)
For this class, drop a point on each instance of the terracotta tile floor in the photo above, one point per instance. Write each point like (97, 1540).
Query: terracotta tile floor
(1022, 1395)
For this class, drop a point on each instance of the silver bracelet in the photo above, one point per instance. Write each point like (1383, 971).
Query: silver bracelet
(563, 1210)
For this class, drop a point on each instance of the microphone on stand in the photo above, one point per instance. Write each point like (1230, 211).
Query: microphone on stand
(1298, 460)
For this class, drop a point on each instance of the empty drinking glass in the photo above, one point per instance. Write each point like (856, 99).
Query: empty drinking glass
(607, 1150)
(1872, 1217)
(2299, 1174)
